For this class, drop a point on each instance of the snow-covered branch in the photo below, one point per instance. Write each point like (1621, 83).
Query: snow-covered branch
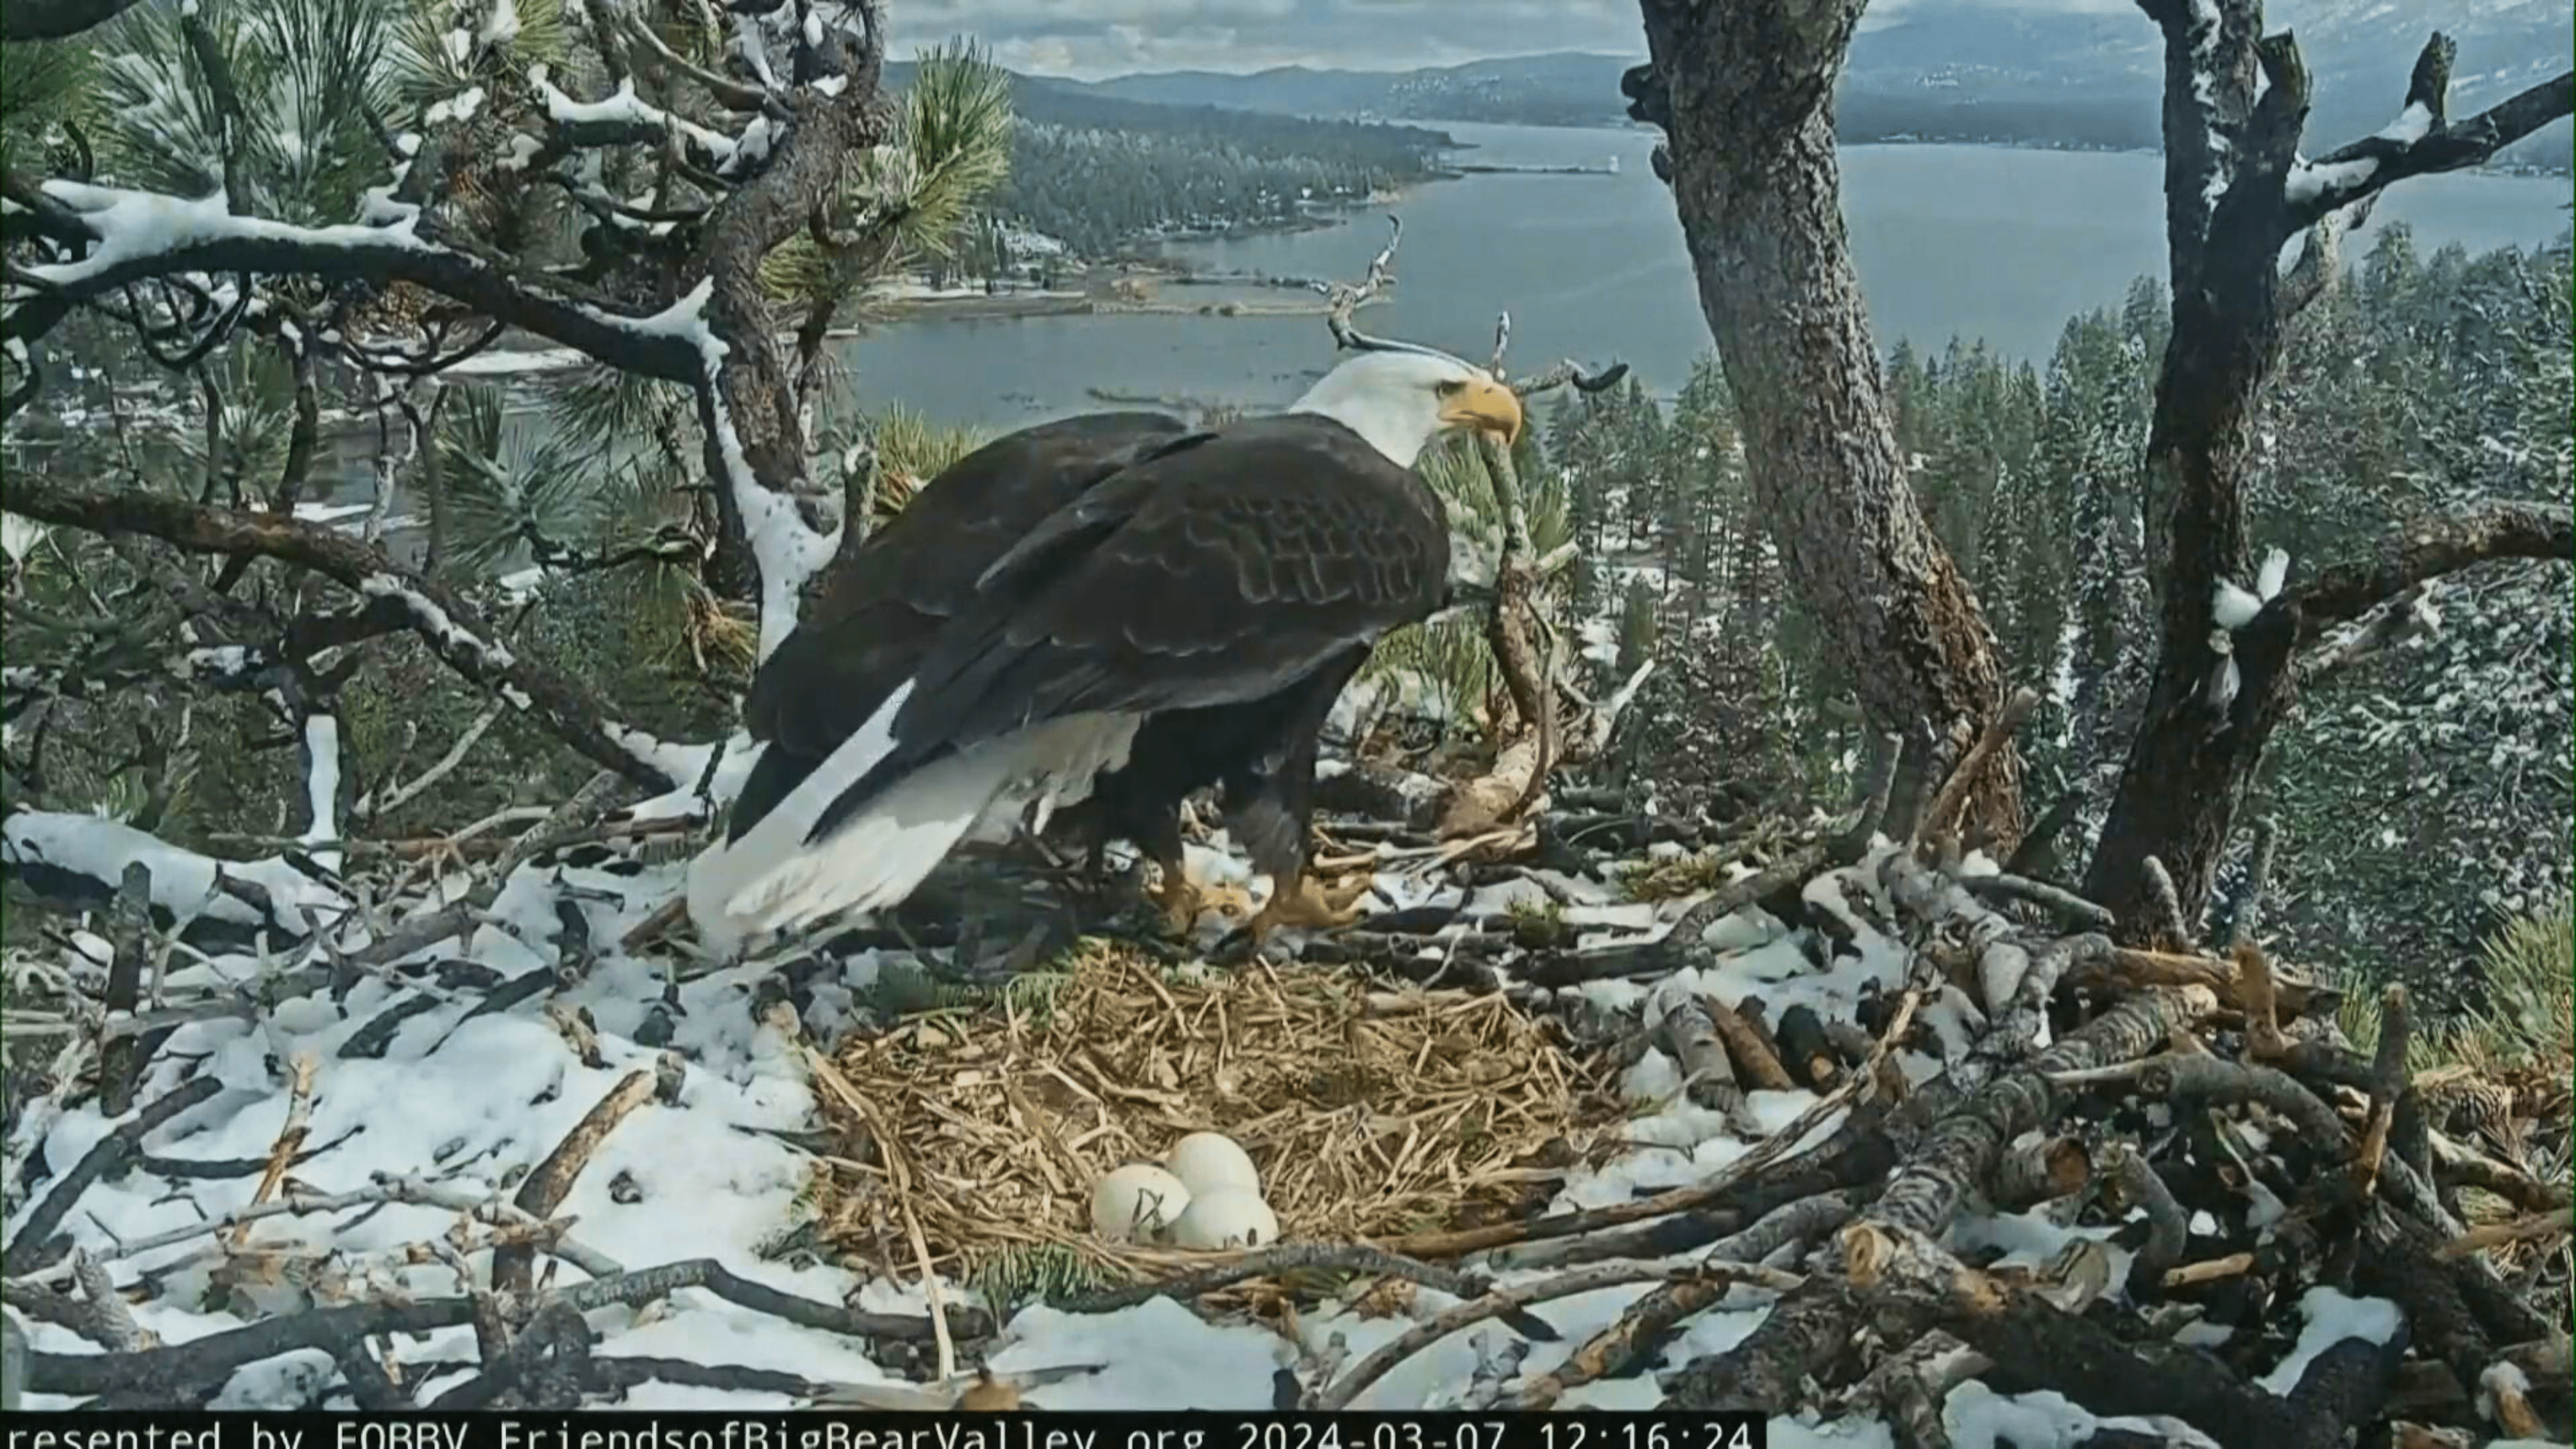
(2419, 142)
(80, 860)
(133, 236)
(2428, 549)
(756, 443)
(432, 610)
(626, 119)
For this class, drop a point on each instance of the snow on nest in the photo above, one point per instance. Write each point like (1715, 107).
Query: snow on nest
(476, 1101)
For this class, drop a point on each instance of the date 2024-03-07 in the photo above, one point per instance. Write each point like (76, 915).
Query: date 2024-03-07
(630, 1430)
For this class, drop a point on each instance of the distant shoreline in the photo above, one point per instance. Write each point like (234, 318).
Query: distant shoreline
(1093, 293)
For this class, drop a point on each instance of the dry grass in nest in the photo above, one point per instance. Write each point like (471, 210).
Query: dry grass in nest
(1369, 1114)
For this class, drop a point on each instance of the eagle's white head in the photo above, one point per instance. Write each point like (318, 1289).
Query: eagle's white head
(1400, 399)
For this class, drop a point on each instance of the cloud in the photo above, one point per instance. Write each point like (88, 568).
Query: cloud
(1094, 38)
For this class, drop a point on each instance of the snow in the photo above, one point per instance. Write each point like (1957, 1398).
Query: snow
(434, 621)
(183, 882)
(19, 535)
(478, 1100)
(459, 108)
(2413, 124)
(2332, 1318)
(503, 26)
(2207, 27)
(2308, 180)
(789, 552)
(507, 362)
(322, 786)
(1980, 1418)
(134, 225)
(624, 107)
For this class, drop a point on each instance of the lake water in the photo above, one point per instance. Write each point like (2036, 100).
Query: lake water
(1949, 240)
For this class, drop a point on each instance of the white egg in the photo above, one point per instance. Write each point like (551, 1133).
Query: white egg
(1227, 1217)
(1207, 1161)
(1139, 1200)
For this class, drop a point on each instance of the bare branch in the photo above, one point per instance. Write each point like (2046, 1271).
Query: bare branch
(442, 618)
(2428, 549)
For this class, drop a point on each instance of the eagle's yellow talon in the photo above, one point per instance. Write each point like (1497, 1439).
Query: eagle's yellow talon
(1309, 906)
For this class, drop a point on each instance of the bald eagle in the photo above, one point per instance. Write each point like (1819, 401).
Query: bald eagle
(1006, 650)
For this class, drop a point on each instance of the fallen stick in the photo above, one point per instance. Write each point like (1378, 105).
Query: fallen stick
(1613, 1349)
(2071, 909)
(1990, 743)
(1955, 1152)
(171, 1370)
(2388, 1079)
(546, 1188)
(290, 1137)
(640, 1286)
(1287, 1258)
(408, 1191)
(110, 1154)
(2521, 1230)
(1567, 1285)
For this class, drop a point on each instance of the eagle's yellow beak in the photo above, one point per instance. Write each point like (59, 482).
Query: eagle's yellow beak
(1486, 404)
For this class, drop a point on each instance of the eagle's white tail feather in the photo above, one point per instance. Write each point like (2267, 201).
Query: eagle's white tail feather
(881, 854)
(721, 873)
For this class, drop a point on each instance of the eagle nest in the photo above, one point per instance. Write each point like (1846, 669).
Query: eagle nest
(1370, 1114)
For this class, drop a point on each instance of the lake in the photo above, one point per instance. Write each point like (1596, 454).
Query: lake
(1979, 242)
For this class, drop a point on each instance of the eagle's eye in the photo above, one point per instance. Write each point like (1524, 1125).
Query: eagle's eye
(1451, 388)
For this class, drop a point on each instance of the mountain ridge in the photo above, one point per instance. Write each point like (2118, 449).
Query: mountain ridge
(1964, 72)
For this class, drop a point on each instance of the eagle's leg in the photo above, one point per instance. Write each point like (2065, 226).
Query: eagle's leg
(1176, 894)
(1178, 898)
(1305, 903)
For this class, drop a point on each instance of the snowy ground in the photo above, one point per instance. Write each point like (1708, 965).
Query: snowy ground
(473, 1101)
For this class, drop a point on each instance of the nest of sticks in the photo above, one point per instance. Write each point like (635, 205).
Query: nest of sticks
(1370, 1114)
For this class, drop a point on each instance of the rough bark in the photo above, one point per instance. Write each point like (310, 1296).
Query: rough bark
(1744, 93)
(2236, 192)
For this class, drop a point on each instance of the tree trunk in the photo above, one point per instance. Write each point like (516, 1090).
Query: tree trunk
(1744, 92)
(2235, 106)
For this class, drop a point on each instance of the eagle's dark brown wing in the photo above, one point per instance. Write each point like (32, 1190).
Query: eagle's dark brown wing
(882, 605)
(1215, 574)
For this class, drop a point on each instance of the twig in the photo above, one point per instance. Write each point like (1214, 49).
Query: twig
(2388, 1079)
(120, 1060)
(1268, 1262)
(445, 766)
(643, 1285)
(2168, 1230)
(106, 1307)
(1614, 1349)
(290, 1137)
(1963, 779)
(410, 1191)
(930, 1294)
(170, 1369)
(2520, 1230)
(1503, 1300)
(2069, 908)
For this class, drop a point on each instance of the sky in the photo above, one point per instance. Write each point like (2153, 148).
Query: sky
(1091, 39)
